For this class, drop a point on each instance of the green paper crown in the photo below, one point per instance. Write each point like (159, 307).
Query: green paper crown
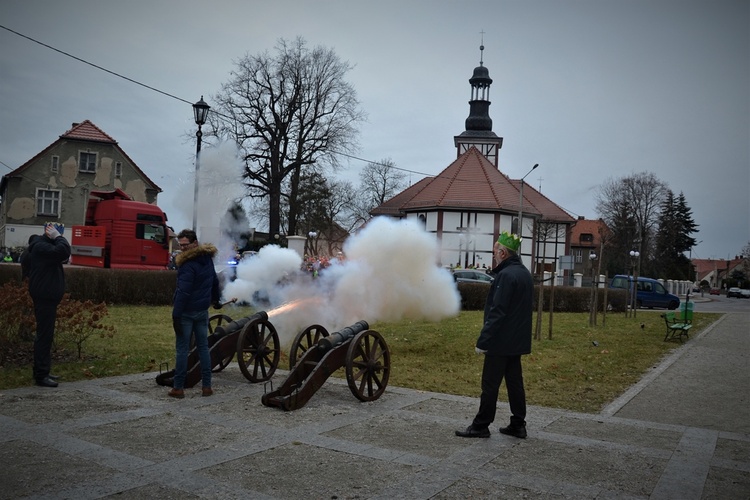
(509, 241)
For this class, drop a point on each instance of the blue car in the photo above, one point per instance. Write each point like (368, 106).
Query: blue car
(650, 292)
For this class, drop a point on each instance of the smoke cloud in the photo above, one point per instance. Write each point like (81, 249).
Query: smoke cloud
(389, 272)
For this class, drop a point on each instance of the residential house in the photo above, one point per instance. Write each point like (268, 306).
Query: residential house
(588, 240)
(54, 185)
(713, 273)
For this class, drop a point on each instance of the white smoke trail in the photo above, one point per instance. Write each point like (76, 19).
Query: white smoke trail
(390, 272)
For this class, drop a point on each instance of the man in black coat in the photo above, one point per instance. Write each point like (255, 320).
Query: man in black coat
(505, 337)
(43, 263)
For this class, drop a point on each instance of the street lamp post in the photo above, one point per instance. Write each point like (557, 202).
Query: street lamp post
(312, 235)
(200, 110)
(520, 215)
(634, 254)
(520, 208)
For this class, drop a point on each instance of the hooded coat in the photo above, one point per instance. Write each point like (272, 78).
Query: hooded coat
(197, 283)
(508, 311)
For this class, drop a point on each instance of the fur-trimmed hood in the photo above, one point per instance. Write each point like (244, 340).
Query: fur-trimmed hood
(204, 249)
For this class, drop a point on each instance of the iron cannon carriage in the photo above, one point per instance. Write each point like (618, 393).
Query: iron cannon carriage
(315, 355)
(253, 339)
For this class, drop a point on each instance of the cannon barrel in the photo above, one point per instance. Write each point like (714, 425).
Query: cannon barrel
(327, 343)
(223, 330)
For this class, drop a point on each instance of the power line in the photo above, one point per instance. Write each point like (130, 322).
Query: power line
(188, 102)
(95, 65)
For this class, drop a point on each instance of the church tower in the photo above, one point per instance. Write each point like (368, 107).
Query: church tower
(478, 131)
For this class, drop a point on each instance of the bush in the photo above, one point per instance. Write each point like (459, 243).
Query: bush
(473, 296)
(121, 286)
(17, 324)
(76, 322)
(113, 286)
(567, 298)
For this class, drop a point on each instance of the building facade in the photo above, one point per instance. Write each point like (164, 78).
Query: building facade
(54, 185)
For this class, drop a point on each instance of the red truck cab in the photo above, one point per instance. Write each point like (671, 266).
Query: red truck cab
(121, 233)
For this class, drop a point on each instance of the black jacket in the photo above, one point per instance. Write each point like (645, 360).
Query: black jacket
(44, 265)
(508, 310)
(197, 283)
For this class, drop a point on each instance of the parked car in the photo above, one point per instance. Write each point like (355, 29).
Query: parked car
(734, 292)
(714, 291)
(472, 276)
(745, 293)
(650, 292)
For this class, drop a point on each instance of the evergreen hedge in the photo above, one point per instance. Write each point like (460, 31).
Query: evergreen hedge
(123, 286)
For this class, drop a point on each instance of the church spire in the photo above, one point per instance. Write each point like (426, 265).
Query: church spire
(478, 131)
(479, 105)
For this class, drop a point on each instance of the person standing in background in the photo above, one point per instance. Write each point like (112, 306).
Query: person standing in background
(505, 337)
(197, 288)
(43, 264)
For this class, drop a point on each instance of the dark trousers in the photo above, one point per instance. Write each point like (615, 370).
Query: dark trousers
(495, 369)
(45, 312)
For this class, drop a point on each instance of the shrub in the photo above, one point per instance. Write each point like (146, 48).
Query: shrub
(473, 296)
(17, 323)
(76, 322)
(567, 298)
(121, 286)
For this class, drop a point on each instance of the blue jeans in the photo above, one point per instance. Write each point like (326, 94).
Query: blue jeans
(192, 322)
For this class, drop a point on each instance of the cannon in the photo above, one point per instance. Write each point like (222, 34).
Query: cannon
(253, 339)
(315, 355)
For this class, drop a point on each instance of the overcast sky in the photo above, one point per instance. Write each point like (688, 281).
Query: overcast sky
(589, 89)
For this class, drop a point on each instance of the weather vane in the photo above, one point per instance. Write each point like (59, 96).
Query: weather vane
(481, 49)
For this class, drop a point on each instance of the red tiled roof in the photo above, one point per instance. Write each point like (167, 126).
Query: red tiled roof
(471, 182)
(87, 131)
(84, 131)
(704, 266)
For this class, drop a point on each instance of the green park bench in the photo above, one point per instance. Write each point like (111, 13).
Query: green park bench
(679, 326)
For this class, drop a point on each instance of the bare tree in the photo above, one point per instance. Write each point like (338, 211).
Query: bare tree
(379, 182)
(637, 198)
(287, 112)
(325, 211)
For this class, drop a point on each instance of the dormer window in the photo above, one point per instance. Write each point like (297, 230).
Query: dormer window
(87, 161)
(587, 238)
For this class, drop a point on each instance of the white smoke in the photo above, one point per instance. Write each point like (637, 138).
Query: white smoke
(219, 185)
(265, 276)
(390, 272)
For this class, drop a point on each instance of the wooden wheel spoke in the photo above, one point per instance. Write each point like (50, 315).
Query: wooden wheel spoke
(304, 341)
(368, 365)
(258, 348)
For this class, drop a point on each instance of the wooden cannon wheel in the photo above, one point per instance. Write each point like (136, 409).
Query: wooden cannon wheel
(368, 365)
(304, 340)
(213, 322)
(258, 350)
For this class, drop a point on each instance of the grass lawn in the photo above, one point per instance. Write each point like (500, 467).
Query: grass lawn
(568, 371)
